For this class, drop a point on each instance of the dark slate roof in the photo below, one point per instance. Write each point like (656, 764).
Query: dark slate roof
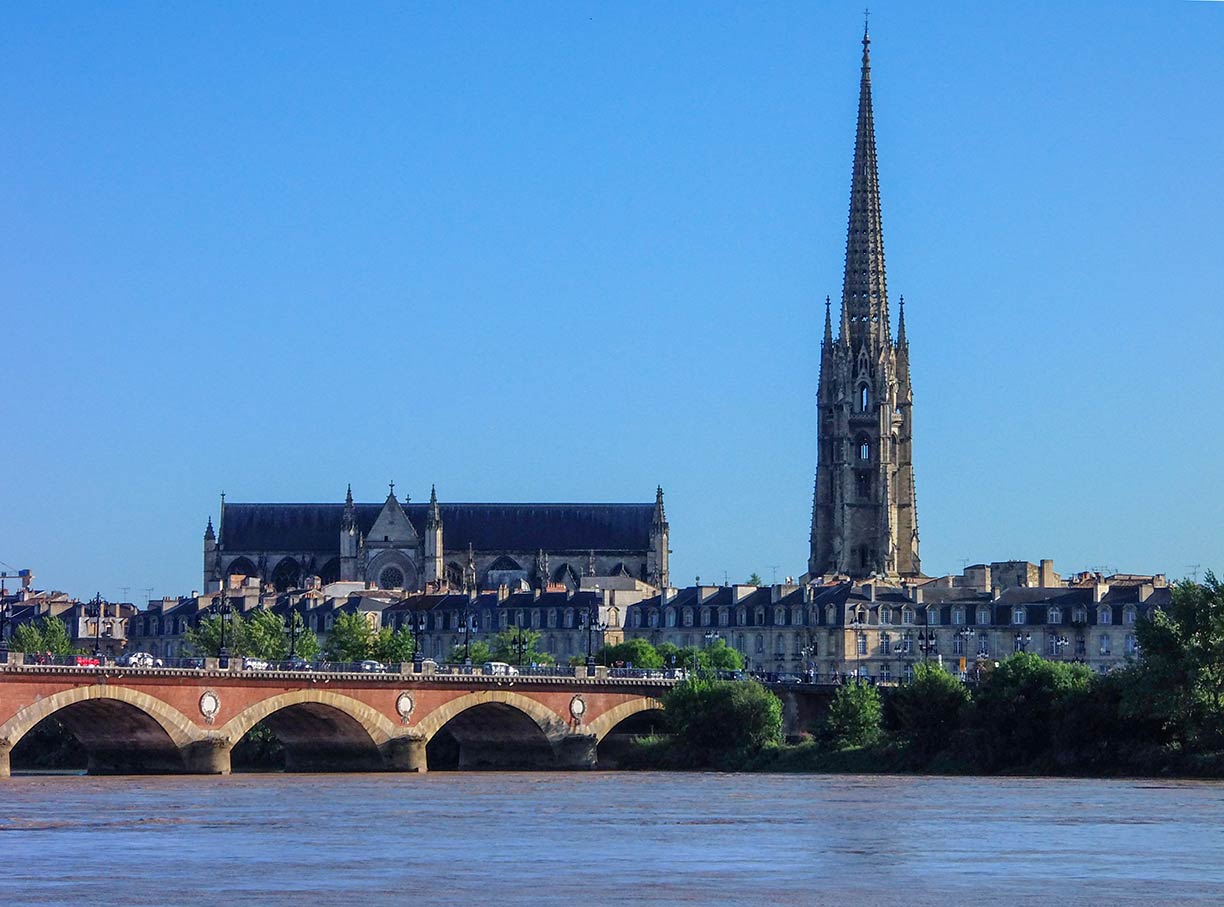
(486, 527)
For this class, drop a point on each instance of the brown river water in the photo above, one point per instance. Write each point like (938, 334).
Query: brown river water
(609, 838)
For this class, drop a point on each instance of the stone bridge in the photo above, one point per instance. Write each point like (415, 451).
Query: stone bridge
(160, 720)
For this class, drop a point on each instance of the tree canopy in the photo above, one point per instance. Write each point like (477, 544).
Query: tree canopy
(50, 634)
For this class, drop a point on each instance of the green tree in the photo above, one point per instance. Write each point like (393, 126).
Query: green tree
(927, 711)
(506, 644)
(1019, 707)
(50, 634)
(265, 635)
(716, 718)
(670, 653)
(1182, 666)
(351, 637)
(853, 718)
(205, 637)
(478, 651)
(721, 657)
(393, 646)
(636, 652)
(754, 580)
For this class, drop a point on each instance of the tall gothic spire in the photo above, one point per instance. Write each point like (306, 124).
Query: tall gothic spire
(901, 338)
(864, 292)
(828, 331)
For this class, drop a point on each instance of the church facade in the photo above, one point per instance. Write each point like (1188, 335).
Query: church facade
(437, 546)
(864, 511)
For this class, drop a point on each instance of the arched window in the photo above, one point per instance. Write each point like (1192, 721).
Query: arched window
(779, 617)
(1019, 615)
(1105, 616)
(1054, 616)
(391, 578)
(864, 451)
(671, 617)
(864, 398)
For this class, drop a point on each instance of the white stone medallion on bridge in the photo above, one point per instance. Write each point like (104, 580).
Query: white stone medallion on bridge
(210, 705)
(404, 704)
(578, 708)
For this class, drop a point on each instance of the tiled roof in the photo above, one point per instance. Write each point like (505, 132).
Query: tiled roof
(486, 527)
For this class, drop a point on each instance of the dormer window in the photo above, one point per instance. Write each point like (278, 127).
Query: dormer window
(1054, 616)
(1105, 616)
(983, 617)
(1018, 616)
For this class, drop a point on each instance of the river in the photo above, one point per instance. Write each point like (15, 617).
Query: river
(602, 838)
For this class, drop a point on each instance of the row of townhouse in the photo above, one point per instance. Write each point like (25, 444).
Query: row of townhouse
(883, 631)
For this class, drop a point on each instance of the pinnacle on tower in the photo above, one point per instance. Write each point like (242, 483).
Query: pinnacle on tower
(209, 535)
(902, 341)
(864, 290)
(828, 331)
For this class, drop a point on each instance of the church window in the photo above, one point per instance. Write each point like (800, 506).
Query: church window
(864, 451)
(391, 578)
(864, 398)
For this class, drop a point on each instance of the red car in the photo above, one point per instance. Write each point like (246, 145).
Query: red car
(85, 661)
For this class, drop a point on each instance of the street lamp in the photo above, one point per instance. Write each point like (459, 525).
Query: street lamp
(291, 620)
(1059, 643)
(590, 620)
(520, 641)
(418, 630)
(1022, 641)
(927, 643)
(221, 607)
(468, 618)
(6, 616)
(96, 612)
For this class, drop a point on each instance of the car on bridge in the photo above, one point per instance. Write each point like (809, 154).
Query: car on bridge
(372, 666)
(498, 668)
(254, 664)
(138, 660)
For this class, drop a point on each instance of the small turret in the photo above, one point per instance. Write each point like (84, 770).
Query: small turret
(435, 571)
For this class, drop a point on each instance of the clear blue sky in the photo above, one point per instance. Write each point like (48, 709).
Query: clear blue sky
(568, 251)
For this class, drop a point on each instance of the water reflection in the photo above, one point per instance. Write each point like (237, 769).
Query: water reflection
(611, 837)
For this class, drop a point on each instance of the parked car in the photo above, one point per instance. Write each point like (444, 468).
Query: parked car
(84, 661)
(498, 668)
(789, 678)
(137, 660)
(373, 666)
(254, 664)
(297, 663)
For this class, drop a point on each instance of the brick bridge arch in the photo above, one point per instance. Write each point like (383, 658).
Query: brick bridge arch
(605, 723)
(122, 729)
(320, 730)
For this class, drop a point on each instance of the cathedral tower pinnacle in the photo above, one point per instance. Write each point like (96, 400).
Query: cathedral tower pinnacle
(864, 517)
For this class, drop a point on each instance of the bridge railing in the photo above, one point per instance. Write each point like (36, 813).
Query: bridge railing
(508, 670)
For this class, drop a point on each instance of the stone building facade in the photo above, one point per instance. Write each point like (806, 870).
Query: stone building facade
(437, 546)
(864, 510)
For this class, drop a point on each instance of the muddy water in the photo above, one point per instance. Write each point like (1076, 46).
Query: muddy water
(602, 838)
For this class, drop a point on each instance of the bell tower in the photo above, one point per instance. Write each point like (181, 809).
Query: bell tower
(864, 514)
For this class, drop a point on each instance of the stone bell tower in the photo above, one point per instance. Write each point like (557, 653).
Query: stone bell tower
(864, 513)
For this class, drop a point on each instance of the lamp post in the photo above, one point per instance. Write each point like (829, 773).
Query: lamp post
(590, 619)
(6, 616)
(467, 633)
(1059, 643)
(965, 634)
(97, 616)
(710, 636)
(856, 625)
(520, 642)
(927, 643)
(221, 607)
(1022, 641)
(291, 620)
(418, 630)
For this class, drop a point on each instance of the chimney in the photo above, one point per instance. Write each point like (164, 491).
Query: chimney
(919, 595)
(869, 591)
(1047, 574)
(1145, 592)
(1098, 591)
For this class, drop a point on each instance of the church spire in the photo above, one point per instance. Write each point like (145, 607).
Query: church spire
(828, 333)
(864, 291)
(902, 341)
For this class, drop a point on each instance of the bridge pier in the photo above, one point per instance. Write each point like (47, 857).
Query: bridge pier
(576, 752)
(406, 754)
(5, 763)
(210, 756)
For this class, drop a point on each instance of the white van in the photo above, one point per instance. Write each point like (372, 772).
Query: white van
(498, 667)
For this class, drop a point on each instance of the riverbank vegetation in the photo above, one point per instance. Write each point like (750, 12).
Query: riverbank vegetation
(1163, 714)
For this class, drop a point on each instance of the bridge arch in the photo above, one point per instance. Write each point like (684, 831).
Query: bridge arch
(605, 723)
(319, 730)
(493, 729)
(124, 731)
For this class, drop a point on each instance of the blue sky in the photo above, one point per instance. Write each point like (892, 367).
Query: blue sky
(569, 251)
